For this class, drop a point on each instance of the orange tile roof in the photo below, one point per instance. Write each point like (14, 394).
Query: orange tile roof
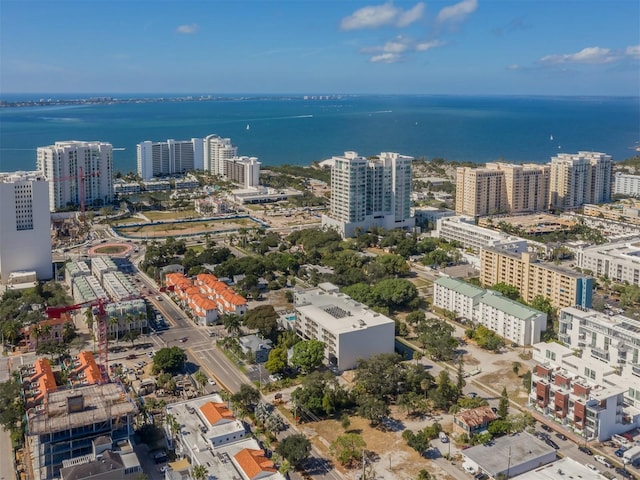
(254, 463)
(207, 277)
(216, 412)
(89, 367)
(203, 302)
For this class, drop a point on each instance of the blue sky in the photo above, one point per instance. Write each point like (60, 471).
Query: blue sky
(544, 47)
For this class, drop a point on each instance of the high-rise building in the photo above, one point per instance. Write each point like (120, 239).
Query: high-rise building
(368, 193)
(579, 178)
(242, 170)
(72, 167)
(167, 158)
(216, 151)
(501, 188)
(25, 225)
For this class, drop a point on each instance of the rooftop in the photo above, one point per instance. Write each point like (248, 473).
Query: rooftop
(508, 451)
(562, 469)
(511, 307)
(476, 417)
(459, 286)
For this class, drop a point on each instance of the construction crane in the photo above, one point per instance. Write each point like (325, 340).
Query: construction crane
(98, 306)
(103, 331)
(80, 178)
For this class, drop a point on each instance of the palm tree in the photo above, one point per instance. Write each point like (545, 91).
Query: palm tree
(36, 331)
(201, 378)
(199, 472)
(115, 321)
(88, 317)
(45, 331)
(232, 323)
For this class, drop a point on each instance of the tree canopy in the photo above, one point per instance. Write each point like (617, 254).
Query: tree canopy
(295, 448)
(170, 359)
(308, 355)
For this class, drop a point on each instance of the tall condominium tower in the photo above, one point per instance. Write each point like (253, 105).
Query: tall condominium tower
(73, 165)
(216, 151)
(501, 188)
(25, 225)
(242, 170)
(579, 178)
(170, 157)
(369, 193)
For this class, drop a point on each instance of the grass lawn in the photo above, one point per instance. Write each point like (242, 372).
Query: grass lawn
(171, 214)
(111, 249)
(196, 248)
(124, 221)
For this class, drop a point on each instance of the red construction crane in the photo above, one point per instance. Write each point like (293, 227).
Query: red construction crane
(103, 325)
(103, 330)
(80, 178)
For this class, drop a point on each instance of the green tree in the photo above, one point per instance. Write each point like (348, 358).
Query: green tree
(199, 472)
(308, 355)
(507, 290)
(295, 449)
(169, 360)
(503, 406)
(232, 323)
(11, 405)
(247, 397)
(201, 379)
(373, 409)
(345, 421)
(516, 366)
(436, 337)
(415, 317)
(263, 318)
(277, 360)
(347, 449)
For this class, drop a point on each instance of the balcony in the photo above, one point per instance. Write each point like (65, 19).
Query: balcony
(600, 354)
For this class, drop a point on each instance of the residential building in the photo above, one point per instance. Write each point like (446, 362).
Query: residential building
(73, 167)
(156, 159)
(613, 339)
(243, 170)
(156, 185)
(626, 184)
(38, 382)
(104, 463)
(82, 369)
(563, 287)
(216, 151)
(501, 188)
(349, 329)
(210, 435)
(258, 347)
(68, 420)
(261, 194)
(428, 216)
(464, 231)
(576, 179)
(368, 193)
(121, 187)
(618, 261)
(627, 211)
(211, 206)
(25, 236)
(87, 289)
(473, 421)
(124, 316)
(118, 286)
(101, 265)
(583, 393)
(46, 331)
(75, 269)
(508, 456)
(511, 320)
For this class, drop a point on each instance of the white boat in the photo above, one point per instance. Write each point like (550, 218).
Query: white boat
(248, 126)
(551, 138)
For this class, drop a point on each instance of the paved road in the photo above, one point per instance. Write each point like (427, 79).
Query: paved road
(7, 467)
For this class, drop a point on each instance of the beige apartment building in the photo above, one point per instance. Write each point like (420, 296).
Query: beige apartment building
(501, 188)
(563, 287)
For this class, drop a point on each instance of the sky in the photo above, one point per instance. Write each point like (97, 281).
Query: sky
(492, 47)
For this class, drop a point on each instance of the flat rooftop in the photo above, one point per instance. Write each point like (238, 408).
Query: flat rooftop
(565, 468)
(101, 403)
(507, 451)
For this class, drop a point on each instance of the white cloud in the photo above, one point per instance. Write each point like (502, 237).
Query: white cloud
(633, 51)
(410, 16)
(386, 58)
(458, 12)
(589, 55)
(424, 46)
(187, 29)
(396, 46)
(514, 66)
(376, 16)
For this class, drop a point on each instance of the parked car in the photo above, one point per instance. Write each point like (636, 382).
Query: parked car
(585, 450)
(552, 444)
(591, 466)
(561, 436)
(211, 381)
(546, 427)
(623, 472)
(620, 452)
(603, 461)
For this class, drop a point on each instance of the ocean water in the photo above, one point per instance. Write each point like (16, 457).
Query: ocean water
(299, 131)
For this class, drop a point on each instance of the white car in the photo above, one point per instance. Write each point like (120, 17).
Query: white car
(603, 461)
(211, 381)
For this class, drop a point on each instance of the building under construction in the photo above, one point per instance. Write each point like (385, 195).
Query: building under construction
(66, 423)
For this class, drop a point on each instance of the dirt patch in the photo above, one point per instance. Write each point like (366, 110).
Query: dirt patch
(394, 458)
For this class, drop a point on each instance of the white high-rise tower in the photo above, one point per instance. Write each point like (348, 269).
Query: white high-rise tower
(72, 166)
(25, 225)
(369, 193)
(216, 151)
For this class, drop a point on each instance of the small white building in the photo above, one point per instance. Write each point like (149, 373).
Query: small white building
(456, 296)
(349, 329)
(625, 184)
(563, 469)
(619, 261)
(509, 455)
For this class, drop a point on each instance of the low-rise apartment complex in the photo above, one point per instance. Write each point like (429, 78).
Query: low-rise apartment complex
(349, 329)
(625, 184)
(582, 393)
(509, 319)
(469, 235)
(619, 261)
(563, 287)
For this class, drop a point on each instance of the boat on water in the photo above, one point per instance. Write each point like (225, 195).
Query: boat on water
(248, 128)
